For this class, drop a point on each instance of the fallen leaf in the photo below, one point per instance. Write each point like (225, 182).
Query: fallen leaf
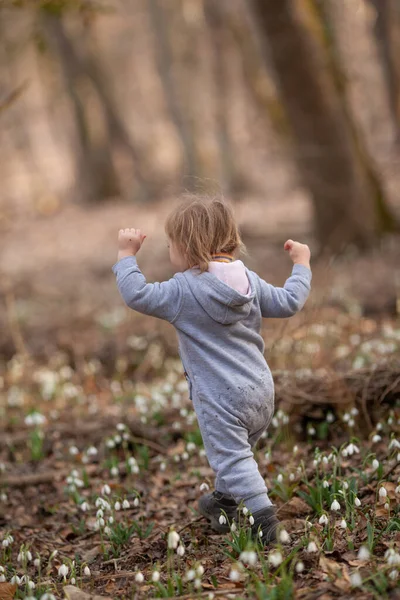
(7, 591)
(73, 593)
(296, 507)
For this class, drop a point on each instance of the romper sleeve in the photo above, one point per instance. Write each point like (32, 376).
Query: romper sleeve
(280, 302)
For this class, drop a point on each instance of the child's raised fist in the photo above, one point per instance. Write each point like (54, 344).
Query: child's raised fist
(299, 253)
(129, 242)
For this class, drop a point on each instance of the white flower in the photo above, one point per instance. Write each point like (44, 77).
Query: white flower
(180, 550)
(173, 539)
(299, 566)
(136, 502)
(47, 596)
(15, 580)
(200, 570)
(284, 537)
(233, 526)
(73, 451)
(394, 574)
(91, 451)
(121, 426)
(392, 557)
(382, 492)
(63, 571)
(343, 524)
(36, 563)
(323, 520)
(125, 504)
(352, 449)
(397, 490)
(73, 581)
(325, 483)
(355, 579)
(114, 471)
(204, 487)
(375, 464)
(251, 520)
(279, 478)
(84, 506)
(376, 438)
(197, 583)
(234, 575)
(190, 575)
(248, 557)
(2, 578)
(222, 520)
(106, 490)
(335, 505)
(357, 501)
(295, 449)
(245, 510)
(139, 577)
(117, 506)
(345, 485)
(394, 444)
(155, 576)
(275, 558)
(363, 553)
(386, 506)
(312, 547)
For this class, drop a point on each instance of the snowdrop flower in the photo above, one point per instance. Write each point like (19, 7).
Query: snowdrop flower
(345, 485)
(73, 451)
(312, 547)
(173, 539)
(234, 575)
(352, 449)
(325, 483)
(355, 579)
(386, 506)
(222, 520)
(292, 477)
(275, 558)
(114, 471)
(180, 550)
(330, 417)
(2, 578)
(200, 570)
(382, 492)
(363, 553)
(139, 577)
(376, 438)
(73, 581)
(233, 526)
(105, 490)
(204, 487)
(248, 557)
(394, 444)
(344, 452)
(295, 449)
(155, 576)
(84, 507)
(125, 504)
(251, 520)
(91, 451)
(357, 501)
(121, 426)
(397, 490)
(63, 571)
(279, 478)
(354, 411)
(136, 502)
(375, 464)
(394, 574)
(335, 505)
(47, 596)
(299, 567)
(245, 510)
(117, 506)
(15, 580)
(343, 524)
(86, 571)
(284, 537)
(190, 575)
(392, 557)
(351, 423)
(323, 520)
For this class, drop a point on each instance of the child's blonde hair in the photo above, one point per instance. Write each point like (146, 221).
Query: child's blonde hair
(201, 227)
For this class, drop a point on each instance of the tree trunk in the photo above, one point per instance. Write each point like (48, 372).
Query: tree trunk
(164, 65)
(95, 172)
(384, 31)
(342, 196)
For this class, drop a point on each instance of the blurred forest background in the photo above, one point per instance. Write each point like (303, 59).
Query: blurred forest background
(110, 110)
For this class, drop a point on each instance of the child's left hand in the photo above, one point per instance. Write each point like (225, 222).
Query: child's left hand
(129, 242)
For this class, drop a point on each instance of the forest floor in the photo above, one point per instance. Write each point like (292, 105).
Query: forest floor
(95, 416)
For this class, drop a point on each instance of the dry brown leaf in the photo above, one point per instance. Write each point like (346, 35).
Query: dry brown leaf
(73, 593)
(296, 507)
(7, 591)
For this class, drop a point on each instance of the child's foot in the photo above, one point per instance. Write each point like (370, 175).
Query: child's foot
(265, 520)
(212, 506)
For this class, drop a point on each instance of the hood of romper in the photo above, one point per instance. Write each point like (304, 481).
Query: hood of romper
(223, 303)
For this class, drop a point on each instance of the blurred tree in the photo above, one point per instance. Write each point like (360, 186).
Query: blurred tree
(346, 207)
(96, 177)
(386, 30)
(163, 52)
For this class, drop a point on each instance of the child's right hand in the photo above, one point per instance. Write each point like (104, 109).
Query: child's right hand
(129, 242)
(299, 253)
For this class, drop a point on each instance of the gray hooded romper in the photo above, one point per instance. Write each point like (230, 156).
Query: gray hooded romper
(222, 352)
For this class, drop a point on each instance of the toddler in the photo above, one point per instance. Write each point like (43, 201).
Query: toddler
(216, 304)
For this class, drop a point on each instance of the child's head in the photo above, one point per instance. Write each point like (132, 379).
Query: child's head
(199, 228)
